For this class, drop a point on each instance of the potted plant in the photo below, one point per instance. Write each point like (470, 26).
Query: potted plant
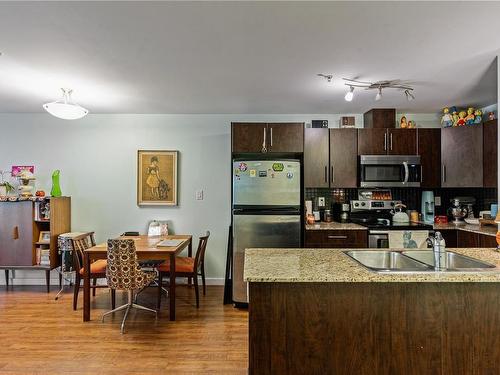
(5, 186)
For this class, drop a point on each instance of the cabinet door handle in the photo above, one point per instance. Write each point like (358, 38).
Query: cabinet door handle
(271, 136)
(391, 141)
(385, 141)
(15, 233)
(264, 148)
(332, 176)
(326, 173)
(337, 237)
(444, 173)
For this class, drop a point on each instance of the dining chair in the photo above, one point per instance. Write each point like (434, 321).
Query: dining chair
(97, 269)
(124, 273)
(187, 267)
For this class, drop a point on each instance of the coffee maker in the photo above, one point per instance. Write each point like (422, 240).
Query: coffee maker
(428, 207)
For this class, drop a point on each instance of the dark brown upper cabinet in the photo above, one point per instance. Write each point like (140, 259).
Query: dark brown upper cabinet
(330, 158)
(343, 158)
(490, 152)
(316, 157)
(380, 118)
(380, 141)
(462, 156)
(429, 149)
(267, 137)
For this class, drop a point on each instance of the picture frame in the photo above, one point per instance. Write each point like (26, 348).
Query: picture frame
(44, 237)
(157, 177)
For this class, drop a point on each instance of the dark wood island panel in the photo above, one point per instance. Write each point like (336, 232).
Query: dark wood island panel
(374, 328)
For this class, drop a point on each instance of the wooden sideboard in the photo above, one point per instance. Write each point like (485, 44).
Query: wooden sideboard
(20, 230)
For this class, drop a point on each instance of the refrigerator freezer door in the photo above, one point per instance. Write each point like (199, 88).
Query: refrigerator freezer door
(266, 183)
(266, 231)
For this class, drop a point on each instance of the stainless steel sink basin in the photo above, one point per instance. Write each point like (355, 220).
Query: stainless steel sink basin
(454, 261)
(387, 261)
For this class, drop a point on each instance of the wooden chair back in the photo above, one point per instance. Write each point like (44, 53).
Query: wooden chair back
(200, 252)
(80, 244)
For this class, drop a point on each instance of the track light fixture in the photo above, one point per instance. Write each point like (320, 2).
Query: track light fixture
(409, 95)
(350, 94)
(327, 77)
(379, 94)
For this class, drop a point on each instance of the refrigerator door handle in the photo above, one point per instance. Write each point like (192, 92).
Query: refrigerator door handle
(264, 148)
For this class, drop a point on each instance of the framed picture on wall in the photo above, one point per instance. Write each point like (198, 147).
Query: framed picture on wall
(157, 178)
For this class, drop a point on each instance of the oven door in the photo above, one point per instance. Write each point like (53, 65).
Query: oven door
(390, 171)
(378, 239)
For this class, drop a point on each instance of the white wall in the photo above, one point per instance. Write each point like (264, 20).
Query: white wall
(97, 158)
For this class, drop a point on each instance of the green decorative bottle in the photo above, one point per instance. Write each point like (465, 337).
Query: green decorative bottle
(56, 188)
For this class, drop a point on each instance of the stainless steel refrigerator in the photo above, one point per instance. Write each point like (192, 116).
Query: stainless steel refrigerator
(266, 211)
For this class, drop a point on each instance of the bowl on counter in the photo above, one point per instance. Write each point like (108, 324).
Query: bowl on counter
(472, 221)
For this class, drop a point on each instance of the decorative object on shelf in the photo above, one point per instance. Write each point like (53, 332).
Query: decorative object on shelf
(403, 124)
(319, 123)
(347, 122)
(491, 116)
(157, 178)
(446, 119)
(469, 119)
(44, 237)
(26, 183)
(412, 124)
(478, 116)
(5, 186)
(56, 187)
(65, 108)
(40, 193)
(379, 86)
(461, 118)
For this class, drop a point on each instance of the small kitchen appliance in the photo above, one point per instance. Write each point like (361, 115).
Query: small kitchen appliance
(458, 210)
(428, 207)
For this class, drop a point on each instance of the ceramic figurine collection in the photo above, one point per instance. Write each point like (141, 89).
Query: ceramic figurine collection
(454, 117)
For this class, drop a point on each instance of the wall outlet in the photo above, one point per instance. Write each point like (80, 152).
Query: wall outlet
(437, 201)
(321, 201)
(199, 195)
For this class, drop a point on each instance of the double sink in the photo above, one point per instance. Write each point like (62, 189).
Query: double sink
(416, 261)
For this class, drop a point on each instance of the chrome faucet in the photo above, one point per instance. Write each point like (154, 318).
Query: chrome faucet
(439, 248)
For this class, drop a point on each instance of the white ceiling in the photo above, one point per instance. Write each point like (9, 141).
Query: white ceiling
(245, 57)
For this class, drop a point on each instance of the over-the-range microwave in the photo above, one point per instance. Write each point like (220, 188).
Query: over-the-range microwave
(390, 171)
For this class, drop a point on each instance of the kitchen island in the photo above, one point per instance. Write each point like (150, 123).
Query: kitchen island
(317, 311)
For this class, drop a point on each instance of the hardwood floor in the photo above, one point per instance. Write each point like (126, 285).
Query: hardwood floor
(39, 335)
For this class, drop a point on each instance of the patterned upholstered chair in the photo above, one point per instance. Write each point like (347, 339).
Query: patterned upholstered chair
(187, 267)
(124, 273)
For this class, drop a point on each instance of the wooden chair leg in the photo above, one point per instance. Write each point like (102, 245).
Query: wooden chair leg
(203, 279)
(160, 285)
(7, 279)
(47, 279)
(196, 291)
(113, 299)
(94, 283)
(76, 289)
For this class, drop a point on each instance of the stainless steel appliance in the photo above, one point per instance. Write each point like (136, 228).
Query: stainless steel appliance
(390, 170)
(266, 211)
(375, 214)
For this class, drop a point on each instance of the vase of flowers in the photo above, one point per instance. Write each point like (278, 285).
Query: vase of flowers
(5, 186)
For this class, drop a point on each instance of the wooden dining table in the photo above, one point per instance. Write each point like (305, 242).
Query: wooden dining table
(147, 249)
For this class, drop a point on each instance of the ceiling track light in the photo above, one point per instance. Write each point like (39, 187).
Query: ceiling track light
(65, 108)
(350, 94)
(327, 77)
(379, 85)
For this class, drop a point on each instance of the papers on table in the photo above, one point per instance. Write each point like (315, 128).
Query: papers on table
(169, 243)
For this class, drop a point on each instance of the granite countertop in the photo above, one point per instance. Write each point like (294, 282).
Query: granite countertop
(487, 230)
(332, 265)
(334, 226)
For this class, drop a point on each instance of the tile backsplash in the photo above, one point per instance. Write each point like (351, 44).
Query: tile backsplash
(411, 197)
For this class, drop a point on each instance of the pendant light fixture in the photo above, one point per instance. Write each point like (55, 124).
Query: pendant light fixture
(350, 94)
(65, 108)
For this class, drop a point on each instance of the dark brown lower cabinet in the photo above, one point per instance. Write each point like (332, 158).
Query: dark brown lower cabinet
(374, 328)
(450, 237)
(469, 239)
(336, 239)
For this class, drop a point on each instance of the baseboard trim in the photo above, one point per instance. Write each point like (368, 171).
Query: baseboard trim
(54, 280)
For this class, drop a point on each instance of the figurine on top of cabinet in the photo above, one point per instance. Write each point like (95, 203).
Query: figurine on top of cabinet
(446, 119)
(412, 124)
(478, 116)
(461, 118)
(403, 124)
(491, 116)
(469, 119)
